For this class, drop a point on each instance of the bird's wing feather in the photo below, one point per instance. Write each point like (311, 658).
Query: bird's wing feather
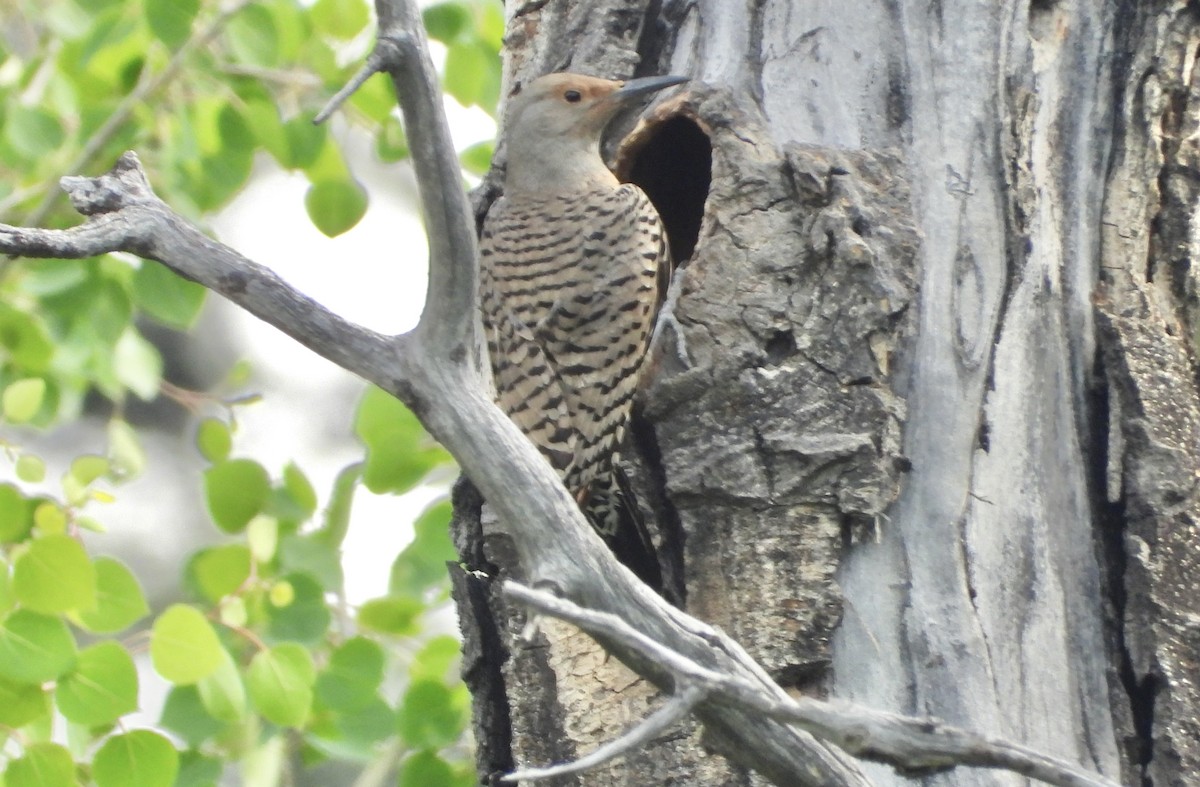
(599, 332)
(572, 286)
(527, 384)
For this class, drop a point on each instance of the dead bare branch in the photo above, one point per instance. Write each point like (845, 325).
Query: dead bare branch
(653, 725)
(124, 214)
(911, 745)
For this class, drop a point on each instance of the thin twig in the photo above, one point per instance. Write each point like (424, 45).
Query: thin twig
(636, 738)
(375, 64)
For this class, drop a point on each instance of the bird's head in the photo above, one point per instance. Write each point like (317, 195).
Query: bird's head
(558, 118)
(558, 105)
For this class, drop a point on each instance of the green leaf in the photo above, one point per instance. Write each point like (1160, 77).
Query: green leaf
(426, 768)
(489, 26)
(30, 469)
(126, 457)
(185, 715)
(225, 174)
(422, 564)
(432, 715)
(49, 279)
(435, 660)
(306, 619)
(34, 648)
(86, 468)
(253, 38)
(234, 128)
(119, 599)
(236, 490)
(50, 519)
(171, 20)
(140, 758)
(391, 615)
(16, 517)
(168, 298)
(281, 594)
(222, 692)
(219, 571)
(280, 681)
(42, 765)
(446, 21)
(340, 18)
(102, 687)
(23, 398)
(300, 489)
(335, 206)
(183, 646)
(399, 452)
(32, 131)
(102, 309)
(25, 340)
(214, 440)
(7, 601)
(22, 704)
(471, 75)
(305, 142)
(291, 26)
(312, 555)
(376, 99)
(138, 364)
(262, 536)
(363, 728)
(353, 676)
(262, 116)
(391, 144)
(55, 576)
(341, 501)
(198, 770)
(477, 159)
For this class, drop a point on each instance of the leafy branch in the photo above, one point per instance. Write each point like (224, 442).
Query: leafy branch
(149, 85)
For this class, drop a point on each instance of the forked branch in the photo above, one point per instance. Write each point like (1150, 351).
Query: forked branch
(912, 745)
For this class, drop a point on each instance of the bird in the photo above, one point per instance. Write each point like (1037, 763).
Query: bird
(572, 266)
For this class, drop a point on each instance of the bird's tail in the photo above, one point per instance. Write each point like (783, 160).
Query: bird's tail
(612, 509)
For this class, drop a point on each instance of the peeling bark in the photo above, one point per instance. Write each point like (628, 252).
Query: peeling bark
(1149, 314)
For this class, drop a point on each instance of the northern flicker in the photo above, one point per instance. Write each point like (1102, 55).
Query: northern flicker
(571, 262)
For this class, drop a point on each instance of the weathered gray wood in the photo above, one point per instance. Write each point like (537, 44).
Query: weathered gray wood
(985, 604)
(978, 146)
(771, 445)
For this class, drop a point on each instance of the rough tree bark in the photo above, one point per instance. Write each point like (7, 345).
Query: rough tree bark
(931, 437)
(880, 445)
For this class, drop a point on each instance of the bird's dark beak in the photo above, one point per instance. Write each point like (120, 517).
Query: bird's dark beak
(635, 88)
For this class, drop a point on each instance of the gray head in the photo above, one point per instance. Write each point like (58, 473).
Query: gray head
(555, 124)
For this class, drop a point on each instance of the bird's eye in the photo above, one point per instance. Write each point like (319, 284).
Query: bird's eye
(573, 96)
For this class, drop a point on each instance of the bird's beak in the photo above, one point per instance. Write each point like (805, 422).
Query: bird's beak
(635, 88)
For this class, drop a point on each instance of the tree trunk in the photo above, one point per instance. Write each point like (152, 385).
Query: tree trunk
(926, 434)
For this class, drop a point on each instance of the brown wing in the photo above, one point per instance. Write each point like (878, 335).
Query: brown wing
(579, 277)
(527, 385)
